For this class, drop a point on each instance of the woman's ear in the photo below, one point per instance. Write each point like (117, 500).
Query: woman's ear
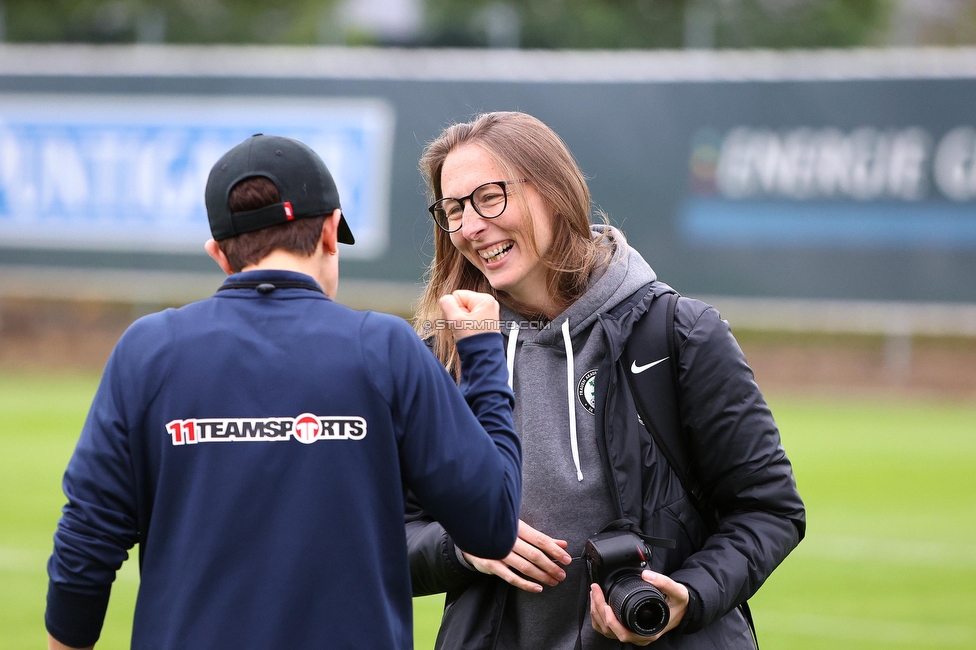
(214, 251)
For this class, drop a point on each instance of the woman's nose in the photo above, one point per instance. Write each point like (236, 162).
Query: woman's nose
(472, 223)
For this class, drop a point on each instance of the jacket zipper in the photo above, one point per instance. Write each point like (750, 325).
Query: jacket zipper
(611, 388)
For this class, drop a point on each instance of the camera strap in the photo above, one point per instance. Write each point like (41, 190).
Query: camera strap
(631, 527)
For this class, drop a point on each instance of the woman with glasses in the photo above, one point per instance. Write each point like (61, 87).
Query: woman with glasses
(512, 218)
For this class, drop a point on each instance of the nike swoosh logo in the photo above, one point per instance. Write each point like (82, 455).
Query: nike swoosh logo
(634, 368)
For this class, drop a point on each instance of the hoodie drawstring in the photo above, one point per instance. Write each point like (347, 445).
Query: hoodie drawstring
(510, 357)
(570, 383)
(571, 393)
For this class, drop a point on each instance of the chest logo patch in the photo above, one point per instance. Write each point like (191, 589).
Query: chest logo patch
(306, 429)
(586, 390)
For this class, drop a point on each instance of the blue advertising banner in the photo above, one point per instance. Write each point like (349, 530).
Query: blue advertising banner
(128, 172)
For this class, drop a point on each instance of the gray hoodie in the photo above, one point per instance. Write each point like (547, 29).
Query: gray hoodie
(564, 491)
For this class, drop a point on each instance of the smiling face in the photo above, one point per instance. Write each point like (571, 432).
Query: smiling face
(501, 248)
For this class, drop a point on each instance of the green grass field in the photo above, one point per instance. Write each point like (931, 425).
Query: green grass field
(889, 560)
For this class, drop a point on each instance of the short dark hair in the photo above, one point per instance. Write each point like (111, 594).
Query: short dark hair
(300, 236)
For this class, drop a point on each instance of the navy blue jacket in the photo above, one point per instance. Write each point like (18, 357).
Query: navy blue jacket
(256, 446)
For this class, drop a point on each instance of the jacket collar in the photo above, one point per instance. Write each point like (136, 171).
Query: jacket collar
(267, 281)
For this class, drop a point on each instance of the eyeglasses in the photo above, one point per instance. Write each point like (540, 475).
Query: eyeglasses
(489, 200)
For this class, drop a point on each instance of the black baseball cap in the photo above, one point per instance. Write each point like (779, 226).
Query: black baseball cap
(303, 181)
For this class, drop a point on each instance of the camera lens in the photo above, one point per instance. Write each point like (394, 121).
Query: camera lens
(638, 605)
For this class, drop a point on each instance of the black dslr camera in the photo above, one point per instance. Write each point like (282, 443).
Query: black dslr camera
(615, 561)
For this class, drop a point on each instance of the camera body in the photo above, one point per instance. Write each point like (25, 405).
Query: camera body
(615, 561)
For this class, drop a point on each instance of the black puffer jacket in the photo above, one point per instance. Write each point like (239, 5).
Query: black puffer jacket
(746, 474)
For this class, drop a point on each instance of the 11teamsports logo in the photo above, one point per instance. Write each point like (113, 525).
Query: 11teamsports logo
(306, 428)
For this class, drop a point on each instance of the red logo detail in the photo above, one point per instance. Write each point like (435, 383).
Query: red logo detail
(183, 432)
(307, 428)
(289, 213)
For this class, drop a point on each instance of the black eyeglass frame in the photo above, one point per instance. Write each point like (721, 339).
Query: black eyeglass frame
(470, 199)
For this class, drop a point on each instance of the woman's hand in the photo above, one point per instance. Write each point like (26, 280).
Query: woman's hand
(607, 624)
(469, 312)
(534, 556)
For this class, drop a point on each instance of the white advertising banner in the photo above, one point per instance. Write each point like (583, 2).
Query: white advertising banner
(119, 172)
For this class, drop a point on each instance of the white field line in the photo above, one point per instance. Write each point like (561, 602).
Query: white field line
(21, 560)
(889, 551)
(858, 629)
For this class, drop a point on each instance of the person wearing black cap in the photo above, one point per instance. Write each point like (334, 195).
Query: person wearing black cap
(258, 198)
(257, 444)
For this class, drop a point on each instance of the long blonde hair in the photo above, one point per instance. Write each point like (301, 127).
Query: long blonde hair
(525, 148)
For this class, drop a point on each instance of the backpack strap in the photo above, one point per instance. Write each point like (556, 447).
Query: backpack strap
(652, 342)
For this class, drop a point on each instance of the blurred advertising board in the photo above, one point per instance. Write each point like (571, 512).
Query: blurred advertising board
(832, 175)
(804, 187)
(86, 171)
